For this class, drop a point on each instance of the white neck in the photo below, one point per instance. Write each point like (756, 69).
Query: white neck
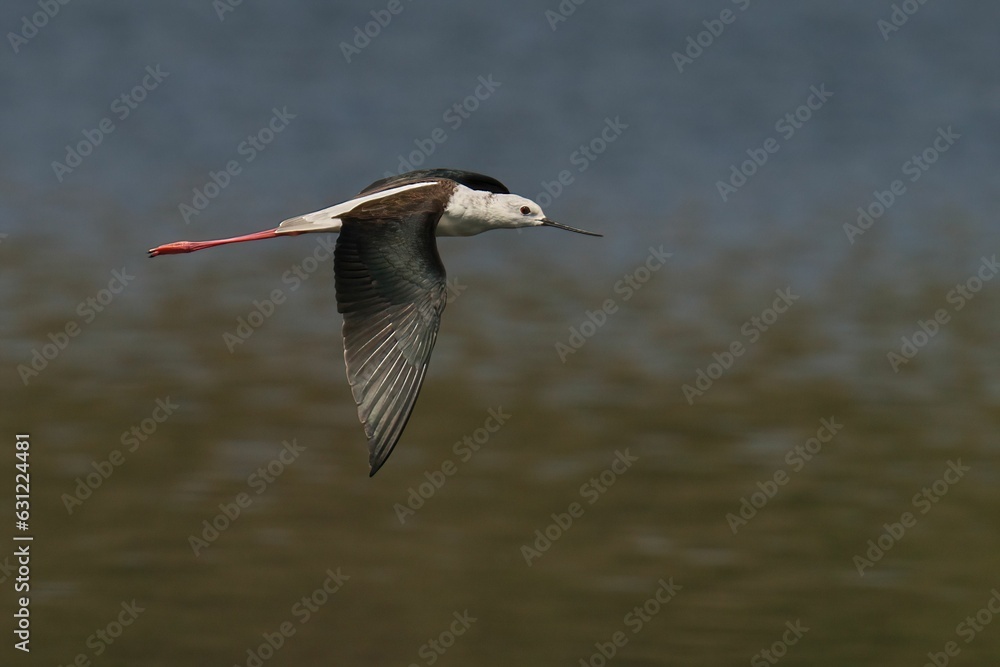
(468, 212)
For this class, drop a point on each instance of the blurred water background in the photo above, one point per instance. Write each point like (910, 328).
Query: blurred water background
(531, 90)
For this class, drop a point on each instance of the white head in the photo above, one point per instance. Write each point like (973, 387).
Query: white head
(475, 211)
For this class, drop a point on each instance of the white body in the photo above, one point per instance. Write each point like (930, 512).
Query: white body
(467, 212)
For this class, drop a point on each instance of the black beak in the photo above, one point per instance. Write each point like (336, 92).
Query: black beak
(551, 223)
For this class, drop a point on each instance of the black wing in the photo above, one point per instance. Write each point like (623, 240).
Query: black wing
(391, 291)
(469, 179)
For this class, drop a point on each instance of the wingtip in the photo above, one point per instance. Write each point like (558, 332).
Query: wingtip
(375, 462)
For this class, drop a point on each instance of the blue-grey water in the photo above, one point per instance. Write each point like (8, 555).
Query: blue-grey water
(745, 427)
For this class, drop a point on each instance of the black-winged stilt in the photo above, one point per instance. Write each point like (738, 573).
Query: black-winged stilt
(390, 281)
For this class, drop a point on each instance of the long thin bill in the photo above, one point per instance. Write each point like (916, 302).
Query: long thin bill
(551, 223)
(178, 247)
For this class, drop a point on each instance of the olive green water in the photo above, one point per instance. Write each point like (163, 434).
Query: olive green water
(664, 518)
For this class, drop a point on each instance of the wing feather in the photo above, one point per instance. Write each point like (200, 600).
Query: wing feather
(391, 291)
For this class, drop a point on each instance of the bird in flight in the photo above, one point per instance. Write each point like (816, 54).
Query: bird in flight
(389, 278)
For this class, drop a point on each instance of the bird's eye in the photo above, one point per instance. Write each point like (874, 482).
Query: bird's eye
(525, 210)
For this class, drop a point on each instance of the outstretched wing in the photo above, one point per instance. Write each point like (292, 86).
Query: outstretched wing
(391, 291)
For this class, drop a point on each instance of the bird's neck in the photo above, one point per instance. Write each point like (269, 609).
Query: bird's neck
(468, 212)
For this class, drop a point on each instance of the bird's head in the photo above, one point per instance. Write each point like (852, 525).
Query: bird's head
(514, 211)
(476, 211)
